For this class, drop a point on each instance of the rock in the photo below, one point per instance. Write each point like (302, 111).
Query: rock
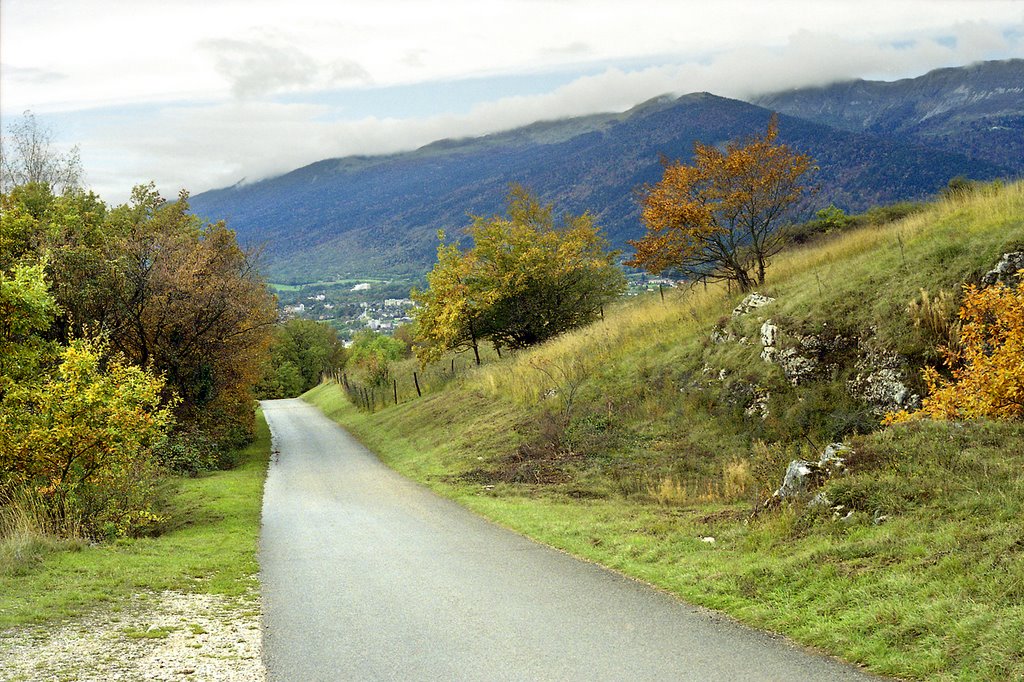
(820, 500)
(709, 540)
(751, 302)
(834, 455)
(800, 476)
(796, 367)
(759, 405)
(879, 382)
(769, 335)
(1005, 271)
(719, 335)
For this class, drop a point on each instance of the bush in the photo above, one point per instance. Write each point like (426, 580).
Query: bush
(986, 380)
(84, 440)
(188, 452)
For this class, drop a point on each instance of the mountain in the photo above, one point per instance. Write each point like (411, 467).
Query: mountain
(976, 110)
(366, 216)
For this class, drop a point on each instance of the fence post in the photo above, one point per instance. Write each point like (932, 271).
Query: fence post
(453, 366)
(416, 380)
(396, 390)
(661, 290)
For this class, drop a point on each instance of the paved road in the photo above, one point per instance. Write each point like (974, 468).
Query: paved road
(367, 576)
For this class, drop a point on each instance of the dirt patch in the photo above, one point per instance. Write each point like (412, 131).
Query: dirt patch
(157, 636)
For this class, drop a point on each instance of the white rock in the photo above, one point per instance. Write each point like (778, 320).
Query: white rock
(752, 301)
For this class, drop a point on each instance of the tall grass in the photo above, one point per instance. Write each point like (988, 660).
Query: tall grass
(29, 530)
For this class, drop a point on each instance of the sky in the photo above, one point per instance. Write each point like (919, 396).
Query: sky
(200, 94)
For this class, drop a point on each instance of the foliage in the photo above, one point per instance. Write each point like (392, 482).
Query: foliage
(166, 289)
(26, 310)
(525, 279)
(84, 438)
(190, 302)
(300, 352)
(372, 354)
(832, 218)
(719, 217)
(188, 451)
(987, 365)
(206, 544)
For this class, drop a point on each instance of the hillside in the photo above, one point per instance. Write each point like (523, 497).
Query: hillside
(976, 110)
(378, 216)
(647, 441)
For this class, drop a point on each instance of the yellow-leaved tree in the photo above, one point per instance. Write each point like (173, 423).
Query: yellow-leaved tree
(527, 278)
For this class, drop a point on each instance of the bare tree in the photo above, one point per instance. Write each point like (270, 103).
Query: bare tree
(27, 155)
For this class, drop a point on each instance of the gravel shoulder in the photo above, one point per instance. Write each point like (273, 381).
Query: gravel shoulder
(156, 636)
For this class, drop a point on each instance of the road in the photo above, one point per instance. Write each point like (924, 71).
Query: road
(368, 576)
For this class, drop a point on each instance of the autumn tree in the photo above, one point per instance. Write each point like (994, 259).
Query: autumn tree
(167, 290)
(372, 354)
(527, 277)
(190, 302)
(449, 316)
(718, 218)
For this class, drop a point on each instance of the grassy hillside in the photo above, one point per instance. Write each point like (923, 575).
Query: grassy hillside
(635, 440)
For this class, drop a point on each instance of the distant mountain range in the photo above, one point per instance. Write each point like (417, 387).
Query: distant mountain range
(874, 143)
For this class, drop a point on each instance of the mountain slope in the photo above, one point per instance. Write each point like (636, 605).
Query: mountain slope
(361, 216)
(976, 110)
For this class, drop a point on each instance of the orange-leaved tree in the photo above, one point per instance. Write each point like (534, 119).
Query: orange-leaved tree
(718, 218)
(988, 366)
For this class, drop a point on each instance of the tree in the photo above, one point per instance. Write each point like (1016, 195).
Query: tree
(449, 316)
(718, 218)
(526, 279)
(26, 312)
(190, 303)
(27, 156)
(301, 351)
(372, 354)
(167, 290)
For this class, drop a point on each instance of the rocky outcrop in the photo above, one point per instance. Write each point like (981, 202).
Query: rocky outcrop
(879, 382)
(1005, 271)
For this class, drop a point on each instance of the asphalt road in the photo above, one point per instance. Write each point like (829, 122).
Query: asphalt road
(368, 576)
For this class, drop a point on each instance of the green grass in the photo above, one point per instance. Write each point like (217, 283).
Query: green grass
(207, 544)
(658, 453)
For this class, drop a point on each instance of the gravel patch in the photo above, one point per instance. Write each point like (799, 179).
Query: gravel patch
(157, 636)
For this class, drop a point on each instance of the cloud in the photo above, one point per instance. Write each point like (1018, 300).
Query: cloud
(576, 49)
(257, 67)
(32, 76)
(214, 145)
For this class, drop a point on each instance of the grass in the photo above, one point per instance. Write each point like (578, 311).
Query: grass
(627, 442)
(208, 544)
